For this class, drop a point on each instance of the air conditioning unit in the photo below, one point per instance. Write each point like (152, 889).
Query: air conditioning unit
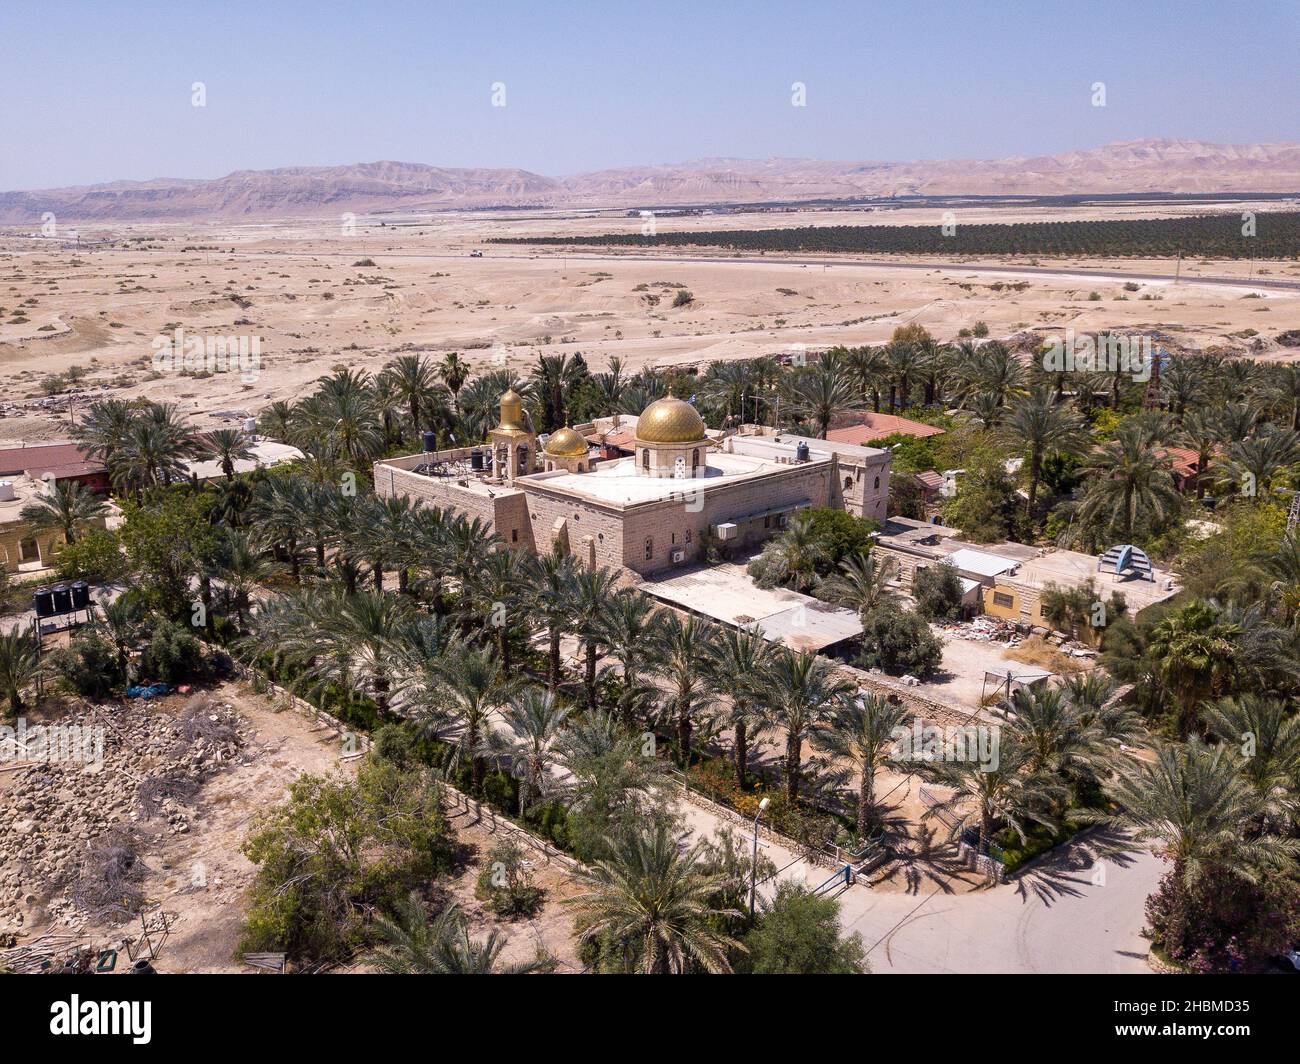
(726, 530)
(679, 555)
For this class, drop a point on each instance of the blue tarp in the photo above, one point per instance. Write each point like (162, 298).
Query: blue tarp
(147, 692)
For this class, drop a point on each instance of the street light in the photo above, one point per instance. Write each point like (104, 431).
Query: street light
(753, 867)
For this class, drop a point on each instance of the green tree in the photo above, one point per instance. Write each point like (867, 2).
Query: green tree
(863, 732)
(799, 934)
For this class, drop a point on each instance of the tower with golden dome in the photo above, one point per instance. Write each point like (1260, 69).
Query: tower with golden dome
(671, 440)
(514, 446)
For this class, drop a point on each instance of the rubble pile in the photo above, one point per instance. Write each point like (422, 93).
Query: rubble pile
(60, 815)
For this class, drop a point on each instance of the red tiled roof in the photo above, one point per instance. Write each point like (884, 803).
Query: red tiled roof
(1184, 460)
(877, 426)
(61, 459)
(929, 479)
(624, 438)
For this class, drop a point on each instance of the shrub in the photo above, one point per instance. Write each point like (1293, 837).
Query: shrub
(799, 934)
(338, 849)
(89, 666)
(95, 556)
(937, 590)
(506, 885)
(683, 298)
(898, 642)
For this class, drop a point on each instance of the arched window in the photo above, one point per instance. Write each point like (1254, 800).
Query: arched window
(848, 483)
(645, 458)
(877, 483)
(649, 548)
(695, 459)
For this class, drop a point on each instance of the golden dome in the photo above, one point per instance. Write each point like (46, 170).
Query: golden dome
(512, 411)
(670, 420)
(565, 443)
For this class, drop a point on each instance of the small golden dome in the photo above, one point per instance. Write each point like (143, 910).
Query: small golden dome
(512, 411)
(670, 420)
(565, 443)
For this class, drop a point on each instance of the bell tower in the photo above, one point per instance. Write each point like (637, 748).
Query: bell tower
(514, 446)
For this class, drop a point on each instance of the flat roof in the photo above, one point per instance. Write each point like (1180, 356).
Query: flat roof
(980, 562)
(618, 482)
(725, 593)
(783, 444)
(266, 453)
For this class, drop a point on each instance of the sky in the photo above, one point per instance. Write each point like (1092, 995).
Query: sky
(102, 91)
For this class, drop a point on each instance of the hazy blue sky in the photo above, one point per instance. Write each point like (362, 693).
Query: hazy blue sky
(100, 91)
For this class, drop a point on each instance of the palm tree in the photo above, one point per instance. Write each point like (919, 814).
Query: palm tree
(1280, 561)
(1054, 731)
(118, 624)
(653, 901)
(737, 660)
(1194, 652)
(277, 421)
(630, 629)
(535, 721)
(1259, 465)
(104, 428)
(414, 382)
(869, 367)
(1039, 426)
(792, 557)
(154, 451)
(862, 584)
(66, 506)
(1194, 803)
(227, 446)
(1200, 432)
(555, 377)
(590, 594)
(818, 393)
(800, 692)
(454, 372)
(684, 650)
(1267, 739)
(862, 731)
(1128, 482)
(468, 684)
(417, 945)
(19, 665)
(497, 593)
(986, 795)
(241, 566)
(551, 581)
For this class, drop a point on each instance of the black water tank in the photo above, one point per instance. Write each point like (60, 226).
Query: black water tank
(801, 452)
(430, 442)
(43, 602)
(476, 461)
(62, 598)
(80, 595)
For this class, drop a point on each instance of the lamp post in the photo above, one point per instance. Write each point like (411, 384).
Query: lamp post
(753, 866)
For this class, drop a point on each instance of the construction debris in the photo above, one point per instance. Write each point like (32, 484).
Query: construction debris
(72, 829)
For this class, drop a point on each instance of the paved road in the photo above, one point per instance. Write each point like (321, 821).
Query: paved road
(1082, 909)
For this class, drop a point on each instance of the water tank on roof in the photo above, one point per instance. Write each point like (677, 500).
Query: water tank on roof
(250, 426)
(801, 453)
(7, 491)
(80, 595)
(476, 461)
(430, 442)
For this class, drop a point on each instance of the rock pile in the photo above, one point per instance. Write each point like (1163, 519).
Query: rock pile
(55, 813)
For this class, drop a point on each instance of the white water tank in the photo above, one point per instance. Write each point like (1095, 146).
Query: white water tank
(250, 426)
(7, 491)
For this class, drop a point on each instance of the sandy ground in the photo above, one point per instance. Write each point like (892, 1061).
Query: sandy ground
(200, 878)
(300, 290)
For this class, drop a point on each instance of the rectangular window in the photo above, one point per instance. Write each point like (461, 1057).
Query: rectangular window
(877, 483)
(649, 549)
(999, 599)
(688, 535)
(514, 535)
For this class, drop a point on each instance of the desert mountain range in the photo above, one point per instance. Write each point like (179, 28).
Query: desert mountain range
(301, 191)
